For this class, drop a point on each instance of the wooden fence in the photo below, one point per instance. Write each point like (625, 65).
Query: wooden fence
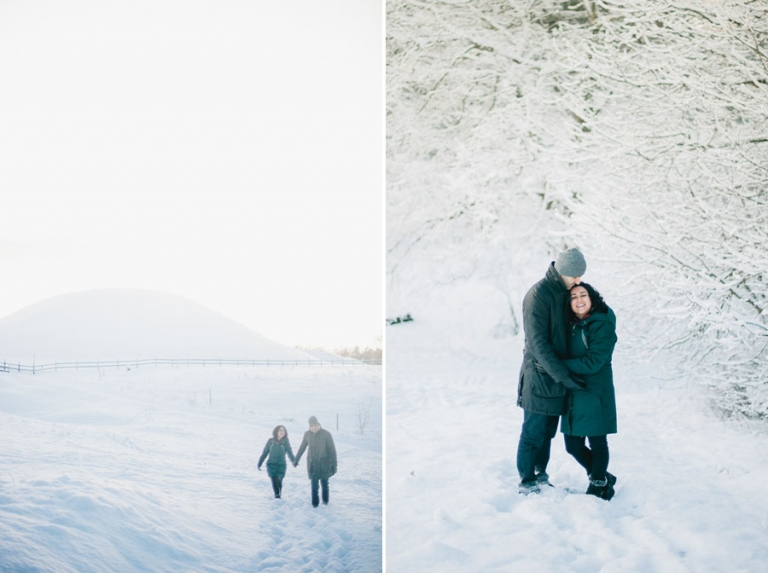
(128, 364)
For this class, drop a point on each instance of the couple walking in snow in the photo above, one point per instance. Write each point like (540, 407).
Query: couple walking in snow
(566, 376)
(321, 459)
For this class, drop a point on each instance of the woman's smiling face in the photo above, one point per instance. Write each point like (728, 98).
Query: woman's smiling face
(580, 302)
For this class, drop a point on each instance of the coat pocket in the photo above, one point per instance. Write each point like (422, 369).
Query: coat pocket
(321, 468)
(587, 412)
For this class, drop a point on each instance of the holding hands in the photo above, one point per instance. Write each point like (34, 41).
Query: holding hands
(574, 383)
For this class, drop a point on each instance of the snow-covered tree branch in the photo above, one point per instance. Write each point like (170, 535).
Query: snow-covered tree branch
(636, 126)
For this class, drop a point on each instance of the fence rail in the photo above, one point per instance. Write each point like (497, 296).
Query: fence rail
(106, 364)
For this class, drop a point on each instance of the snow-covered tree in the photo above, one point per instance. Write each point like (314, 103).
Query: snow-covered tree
(636, 126)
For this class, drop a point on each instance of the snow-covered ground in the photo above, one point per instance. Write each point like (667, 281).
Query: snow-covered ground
(690, 495)
(154, 468)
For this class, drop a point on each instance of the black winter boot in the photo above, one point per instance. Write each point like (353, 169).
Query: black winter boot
(528, 486)
(609, 476)
(601, 488)
(542, 478)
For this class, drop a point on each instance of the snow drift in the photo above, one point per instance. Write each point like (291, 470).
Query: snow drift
(126, 324)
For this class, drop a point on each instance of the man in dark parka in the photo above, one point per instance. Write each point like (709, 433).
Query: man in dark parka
(321, 459)
(544, 380)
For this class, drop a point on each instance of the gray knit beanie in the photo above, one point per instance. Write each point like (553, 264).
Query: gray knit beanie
(571, 263)
(313, 421)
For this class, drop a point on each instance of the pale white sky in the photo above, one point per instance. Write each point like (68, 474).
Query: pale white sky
(227, 151)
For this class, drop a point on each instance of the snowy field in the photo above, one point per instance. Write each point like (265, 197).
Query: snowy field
(690, 496)
(154, 469)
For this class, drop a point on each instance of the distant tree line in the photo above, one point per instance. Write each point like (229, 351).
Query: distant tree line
(365, 354)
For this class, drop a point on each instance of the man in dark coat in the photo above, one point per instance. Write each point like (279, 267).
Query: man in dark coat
(321, 459)
(544, 381)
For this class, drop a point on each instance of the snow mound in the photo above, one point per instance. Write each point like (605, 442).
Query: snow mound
(127, 324)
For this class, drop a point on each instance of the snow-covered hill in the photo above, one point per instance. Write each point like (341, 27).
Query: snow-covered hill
(126, 324)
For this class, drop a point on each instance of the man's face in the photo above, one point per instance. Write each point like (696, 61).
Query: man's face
(314, 428)
(570, 282)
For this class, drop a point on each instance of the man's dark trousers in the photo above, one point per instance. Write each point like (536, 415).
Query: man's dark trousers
(315, 486)
(535, 441)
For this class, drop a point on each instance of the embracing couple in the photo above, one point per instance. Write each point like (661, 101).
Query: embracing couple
(566, 376)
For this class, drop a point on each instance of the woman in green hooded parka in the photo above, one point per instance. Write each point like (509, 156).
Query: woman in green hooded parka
(591, 413)
(276, 448)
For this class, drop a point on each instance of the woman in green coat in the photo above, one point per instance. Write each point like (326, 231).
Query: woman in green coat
(591, 413)
(277, 448)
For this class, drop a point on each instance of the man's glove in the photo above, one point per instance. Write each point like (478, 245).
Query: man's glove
(573, 383)
(259, 468)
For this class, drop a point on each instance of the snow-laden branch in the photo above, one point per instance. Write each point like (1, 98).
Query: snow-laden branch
(635, 127)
